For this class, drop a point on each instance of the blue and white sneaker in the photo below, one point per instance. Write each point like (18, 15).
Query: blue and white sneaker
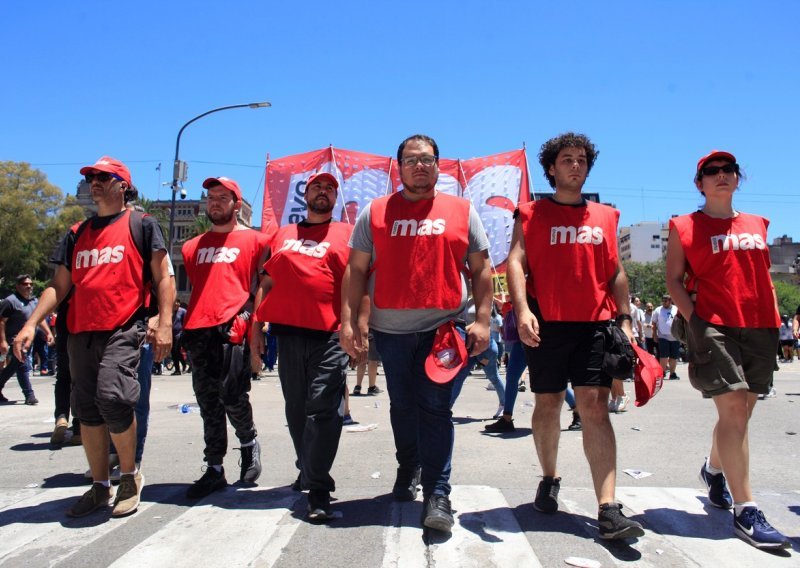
(752, 527)
(717, 488)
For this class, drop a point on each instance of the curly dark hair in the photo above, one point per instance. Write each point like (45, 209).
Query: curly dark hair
(550, 149)
(418, 138)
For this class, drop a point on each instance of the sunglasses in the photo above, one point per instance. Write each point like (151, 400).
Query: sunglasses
(714, 170)
(102, 177)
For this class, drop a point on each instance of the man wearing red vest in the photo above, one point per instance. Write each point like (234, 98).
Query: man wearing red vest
(567, 282)
(302, 299)
(410, 251)
(107, 325)
(222, 265)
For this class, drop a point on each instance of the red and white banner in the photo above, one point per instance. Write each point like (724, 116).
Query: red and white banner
(494, 184)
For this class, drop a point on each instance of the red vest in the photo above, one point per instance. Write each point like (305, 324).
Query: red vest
(729, 260)
(221, 267)
(108, 274)
(306, 268)
(572, 255)
(420, 251)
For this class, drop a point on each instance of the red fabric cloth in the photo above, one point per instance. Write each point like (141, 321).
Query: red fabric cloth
(221, 268)
(306, 267)
(572, 256)
(108, 274)
(728, 263)
(420, 247)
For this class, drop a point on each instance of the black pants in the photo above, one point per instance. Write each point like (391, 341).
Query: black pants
(221, 382)
(312, 373)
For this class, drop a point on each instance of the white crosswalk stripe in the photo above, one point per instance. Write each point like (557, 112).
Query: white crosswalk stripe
(263, 526)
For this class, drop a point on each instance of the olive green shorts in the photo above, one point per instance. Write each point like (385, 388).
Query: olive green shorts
(724, 359)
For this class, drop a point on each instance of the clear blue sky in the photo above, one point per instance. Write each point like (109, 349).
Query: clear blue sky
(654, 84)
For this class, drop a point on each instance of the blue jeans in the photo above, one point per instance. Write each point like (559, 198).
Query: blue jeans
(491, 373)
(419, 409)
(22, 370)
(142, 410)
(514, 369)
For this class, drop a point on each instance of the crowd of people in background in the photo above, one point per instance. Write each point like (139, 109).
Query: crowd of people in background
(408, 288)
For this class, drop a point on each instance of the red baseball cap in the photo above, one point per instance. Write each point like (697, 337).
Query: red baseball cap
(227, 183)
(323, 175)
(715, 155)
(109, 165)
(648, 376)
(448, 354)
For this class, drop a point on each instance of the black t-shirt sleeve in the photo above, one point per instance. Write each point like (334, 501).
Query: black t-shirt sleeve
(63, 252)
(5, 308)
(153, 237)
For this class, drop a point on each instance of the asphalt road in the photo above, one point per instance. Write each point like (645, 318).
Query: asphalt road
(494, 479)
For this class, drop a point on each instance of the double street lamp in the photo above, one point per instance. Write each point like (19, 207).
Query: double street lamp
(179, 169)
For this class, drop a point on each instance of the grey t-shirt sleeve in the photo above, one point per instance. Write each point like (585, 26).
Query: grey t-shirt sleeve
(361, 237)
(478, 240)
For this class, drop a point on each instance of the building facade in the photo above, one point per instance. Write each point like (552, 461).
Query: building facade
(642, 242)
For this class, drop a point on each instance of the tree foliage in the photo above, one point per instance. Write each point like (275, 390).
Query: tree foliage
(202, 224)
(34, 215)
(647, 280)
(788, 297)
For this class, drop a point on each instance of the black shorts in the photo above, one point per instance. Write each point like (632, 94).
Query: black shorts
(569, 352)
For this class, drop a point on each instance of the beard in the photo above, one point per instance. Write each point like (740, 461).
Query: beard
(221, 218)
(321, 206)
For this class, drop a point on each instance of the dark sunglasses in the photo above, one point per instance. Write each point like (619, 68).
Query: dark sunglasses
(714, 170)
(102, 177)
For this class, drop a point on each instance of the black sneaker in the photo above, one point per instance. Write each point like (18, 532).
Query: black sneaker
(752, 527)
(405, 484)
(614, 525)
(717, 488)
(576, 422)
(374, 390)
(2, 398)
(211, 481)
(521, 387)
(502, 425)
(250, 462)
(437, 514)
(31, 401)
(547, 495)
(356, 390)
(674, 377)
(319, 506)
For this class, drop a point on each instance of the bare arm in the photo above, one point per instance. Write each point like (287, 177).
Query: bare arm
(256, 334)
(618, 285)
(354, 337)
(675, 273)
(165, 292)
(481, 278)
(527, 324)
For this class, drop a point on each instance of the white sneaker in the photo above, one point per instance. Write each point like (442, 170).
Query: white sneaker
(499, 412)
(613, 404)
(623, 402)
(772, 393)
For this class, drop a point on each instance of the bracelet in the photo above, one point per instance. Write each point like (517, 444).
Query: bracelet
(624, 317)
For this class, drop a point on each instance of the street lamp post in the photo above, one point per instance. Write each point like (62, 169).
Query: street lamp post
(179, 168)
